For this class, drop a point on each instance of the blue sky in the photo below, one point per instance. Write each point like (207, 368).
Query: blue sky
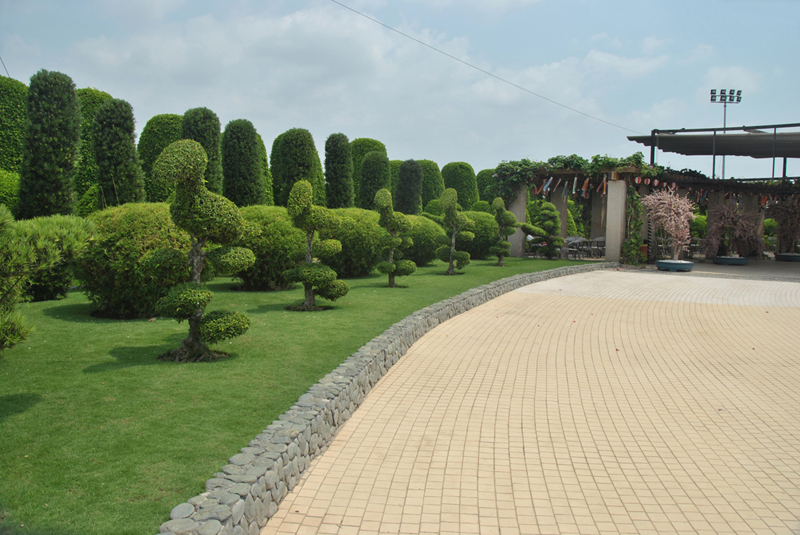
(639, 64)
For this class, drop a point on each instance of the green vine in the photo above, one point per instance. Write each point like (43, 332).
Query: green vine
(631, 248)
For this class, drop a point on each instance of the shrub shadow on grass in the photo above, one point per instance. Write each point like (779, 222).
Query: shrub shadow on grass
(16, 404)
(77, 312)
(136, 355)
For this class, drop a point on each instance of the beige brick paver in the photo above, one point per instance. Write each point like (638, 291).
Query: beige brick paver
(606, 402)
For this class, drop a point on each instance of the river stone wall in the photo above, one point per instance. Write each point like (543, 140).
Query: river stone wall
(245, 493)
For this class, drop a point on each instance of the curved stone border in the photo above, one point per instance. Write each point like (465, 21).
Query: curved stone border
(246, 492)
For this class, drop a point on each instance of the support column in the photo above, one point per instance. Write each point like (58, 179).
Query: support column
(615, 228)
(518, 208)
(598, 215)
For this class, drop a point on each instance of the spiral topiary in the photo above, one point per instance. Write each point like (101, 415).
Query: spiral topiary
(205, 216)
(316, 277)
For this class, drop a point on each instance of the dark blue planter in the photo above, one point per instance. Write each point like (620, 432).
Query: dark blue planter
(787, 257)
(674, 265)
(730, 260)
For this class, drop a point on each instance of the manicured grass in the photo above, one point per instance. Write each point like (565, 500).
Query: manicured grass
(98, 437)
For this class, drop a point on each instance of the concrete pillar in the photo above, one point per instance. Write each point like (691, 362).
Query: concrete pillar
(615, 227)
(560, 202)
(518, 208)
(752, 203)
(598, 215)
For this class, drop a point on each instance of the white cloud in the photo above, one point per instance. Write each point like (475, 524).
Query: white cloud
(652, 44)
(137, 11)
(603, 62)
(700, 53)
(737, 77)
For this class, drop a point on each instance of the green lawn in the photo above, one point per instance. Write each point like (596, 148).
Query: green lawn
(99, 437)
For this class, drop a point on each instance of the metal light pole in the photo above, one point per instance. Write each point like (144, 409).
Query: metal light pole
(732, 96)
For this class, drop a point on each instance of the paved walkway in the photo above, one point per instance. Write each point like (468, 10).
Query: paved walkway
(606, 402)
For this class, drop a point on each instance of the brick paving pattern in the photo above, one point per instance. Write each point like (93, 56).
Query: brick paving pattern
(606, 402)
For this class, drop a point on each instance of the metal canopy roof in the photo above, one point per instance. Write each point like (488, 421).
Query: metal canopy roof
(754, 144)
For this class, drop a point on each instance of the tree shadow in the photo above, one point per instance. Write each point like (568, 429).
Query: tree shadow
(271, 307)
(77, 312)
(17, 403)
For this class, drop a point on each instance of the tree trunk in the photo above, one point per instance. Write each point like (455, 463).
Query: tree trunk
(191, 349)
(197, 260)
(391, 261)
(310, 301)
(452, 270)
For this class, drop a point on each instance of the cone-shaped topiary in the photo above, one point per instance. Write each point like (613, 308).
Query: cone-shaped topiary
(455, 224)
(295, 158)
(202, 125)
(507, 222)
(338, 171)
(396, 224)
(409, 188)
(316, 277)
(119, 174)
(205, 216)
(243, 179)
(86, 172)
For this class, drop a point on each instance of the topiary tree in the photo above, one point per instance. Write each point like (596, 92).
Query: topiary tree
(461, 177)
(359, 148)
(276, 168)
(269, 200)
(159, 132)
(545, 223)
(485, 179)
(13, 114)
(374, 177)
(242, 164)
(51, 143)
(119, 175)
(9, 189)
(394, 176)
(409, 188)
(202, 125)
(507, 225)
(298, 160)
(455, 224)
(338, 172)
(397, 226)
(432, 181)
(206, 217)
(86, 172)
(317, 278)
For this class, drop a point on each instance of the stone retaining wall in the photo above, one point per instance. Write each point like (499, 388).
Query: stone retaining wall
(246, 492)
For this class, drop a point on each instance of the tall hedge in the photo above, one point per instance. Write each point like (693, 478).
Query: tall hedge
(158, 133)
(9, 189)
(461, 177)
(485, 179)
(338, 171)
(374, 177)
(298, 160)
(50, 150)
(394, 174)
(243, 179)
(276, 169)
(432, 181)
(202, 125)
(13, 113)
(119, 174)
(269, 200)
(409, 188)
(86, 173)
(359, 148)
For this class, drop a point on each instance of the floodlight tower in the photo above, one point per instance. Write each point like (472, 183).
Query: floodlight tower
(733, 96)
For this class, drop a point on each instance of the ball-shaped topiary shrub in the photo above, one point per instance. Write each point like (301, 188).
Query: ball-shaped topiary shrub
(360, 236)
(483, 206)
(13, 113)
(461, 177)
(9, 189)
(277, 244)
(484, 233)
(159, 132)
(109, 270)
(425, 235)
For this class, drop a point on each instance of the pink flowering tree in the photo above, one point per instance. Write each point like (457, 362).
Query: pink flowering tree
(734, 228)
(787, 214)
(671, 214)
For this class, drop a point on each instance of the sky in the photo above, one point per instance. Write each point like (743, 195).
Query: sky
(314, 64)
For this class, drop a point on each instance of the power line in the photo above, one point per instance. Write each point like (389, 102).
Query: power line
(376, 21)
(4, 66)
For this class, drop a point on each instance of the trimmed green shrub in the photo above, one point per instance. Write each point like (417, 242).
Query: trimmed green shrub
(338, 172)
(276, 168)
(297, 160)
(317, 278)
(409, 188)
(506, 225)
(483, 206)
(461, 177)
(13, 114)
(89, 203)
(9, 189)
(432, 181)
(277, 244)
(433, 208)
(202, 125)
(394, 176)
(110, 270)
(86, 172)
(374, 176)
(242, 164)
(697, 226)
(425, 236)
(158, 133)
(269, 200)
(206, 216)
(455, 223)
(359, 148)
(50, 150)
(485, 179)
(119, 175)
(544, 216)
(360, 234)
(397, 226)
(485, 232)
